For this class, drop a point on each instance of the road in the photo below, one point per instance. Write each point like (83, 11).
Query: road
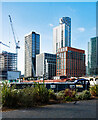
(83, 109)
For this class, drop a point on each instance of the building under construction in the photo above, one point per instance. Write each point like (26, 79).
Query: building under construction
(7, 63)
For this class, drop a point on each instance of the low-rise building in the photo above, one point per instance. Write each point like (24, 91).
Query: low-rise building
(13, 75)
(46, 65)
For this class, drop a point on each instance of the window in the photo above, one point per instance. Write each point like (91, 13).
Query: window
(61, 43)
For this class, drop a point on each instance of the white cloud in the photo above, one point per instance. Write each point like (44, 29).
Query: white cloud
(51, 25)
(81, 29)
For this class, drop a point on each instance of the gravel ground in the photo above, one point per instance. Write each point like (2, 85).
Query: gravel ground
(82, 109)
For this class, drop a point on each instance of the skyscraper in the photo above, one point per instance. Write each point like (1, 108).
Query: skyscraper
(62, 34)
(93, 56)
(32, 48)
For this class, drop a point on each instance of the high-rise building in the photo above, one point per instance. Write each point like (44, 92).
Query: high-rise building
(7, 63)
(70, 62)
(46, 65)
(32, 48)
(93, 56)
(62, 34)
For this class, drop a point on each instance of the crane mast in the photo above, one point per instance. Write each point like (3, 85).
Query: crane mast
(16, 43)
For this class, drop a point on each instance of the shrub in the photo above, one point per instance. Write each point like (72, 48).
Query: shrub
(43, 93)
(66, 94)
(9, 96)
(78, 97)
(52, 95)
(34, 95)
(27, 97)
(70, 93)
(94, 90)
(68, 98)
(85, 95)
(61, 95)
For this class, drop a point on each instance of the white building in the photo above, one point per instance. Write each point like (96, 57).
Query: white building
(62, 34)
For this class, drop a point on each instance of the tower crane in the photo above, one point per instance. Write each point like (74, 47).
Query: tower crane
(16, 43)
(4, 44)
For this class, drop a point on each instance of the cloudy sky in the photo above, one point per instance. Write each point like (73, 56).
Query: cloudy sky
(41, 17)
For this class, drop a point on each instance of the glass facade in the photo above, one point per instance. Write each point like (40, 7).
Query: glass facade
(46, 65)
(67, 22)
(62, 34)
(32, 48)
(92, 56)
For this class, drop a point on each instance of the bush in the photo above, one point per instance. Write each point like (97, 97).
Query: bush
(68, 98)
(66, 94)
(26, 97)
(43, 93)
(34, 95)
(78, 97)
(9, 96)
(70, 93)
(52, 95)
(61, 95)
(85, 95)
(94, 90)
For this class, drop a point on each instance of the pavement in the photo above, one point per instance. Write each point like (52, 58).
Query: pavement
(82, 109)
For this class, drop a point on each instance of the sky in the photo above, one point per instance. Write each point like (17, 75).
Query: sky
(42, 17)
(49, 0)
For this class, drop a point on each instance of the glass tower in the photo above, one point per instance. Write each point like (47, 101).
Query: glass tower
(32, 48)
(93, 56)
(62, 34)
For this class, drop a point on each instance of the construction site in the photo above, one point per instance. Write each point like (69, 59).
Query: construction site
(8, 60)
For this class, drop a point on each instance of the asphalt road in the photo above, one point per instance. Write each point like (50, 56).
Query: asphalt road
(83, 109)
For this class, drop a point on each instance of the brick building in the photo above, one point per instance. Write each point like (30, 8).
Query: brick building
(70, 62)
